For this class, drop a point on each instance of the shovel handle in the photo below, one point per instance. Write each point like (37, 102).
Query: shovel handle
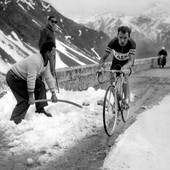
(65, 101)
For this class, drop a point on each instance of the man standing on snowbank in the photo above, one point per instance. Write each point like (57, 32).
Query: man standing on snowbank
(47, 34)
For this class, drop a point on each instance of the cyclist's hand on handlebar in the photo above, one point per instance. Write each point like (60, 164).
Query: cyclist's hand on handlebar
(101, 65)
(100, 69)
(99, 73)
(126, 71)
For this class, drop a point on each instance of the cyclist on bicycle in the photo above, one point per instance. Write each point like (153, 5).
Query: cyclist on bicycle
(163, 53)
(124, 48)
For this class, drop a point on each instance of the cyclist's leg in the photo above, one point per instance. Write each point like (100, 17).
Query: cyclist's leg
(116, 65)
(112, 79)
(126, 91)
(164, 61)
(127, 88)
(159, 61)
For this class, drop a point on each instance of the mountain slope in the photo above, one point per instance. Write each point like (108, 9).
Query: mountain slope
(20, 25)
(149, 29)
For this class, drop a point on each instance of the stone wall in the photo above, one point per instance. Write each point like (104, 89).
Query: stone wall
(81, 77)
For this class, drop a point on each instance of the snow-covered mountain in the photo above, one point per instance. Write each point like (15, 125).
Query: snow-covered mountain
(150, 29)
(157, 10)
(20, 25)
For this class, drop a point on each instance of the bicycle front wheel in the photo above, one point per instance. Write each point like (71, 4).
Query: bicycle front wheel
(110, 111)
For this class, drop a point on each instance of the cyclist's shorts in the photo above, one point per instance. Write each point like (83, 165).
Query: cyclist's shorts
(116, 65)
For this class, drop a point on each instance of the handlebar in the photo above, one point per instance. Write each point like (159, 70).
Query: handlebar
(99, 74)
(114, 71)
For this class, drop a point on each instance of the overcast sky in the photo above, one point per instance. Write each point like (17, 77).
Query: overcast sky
(74, 9)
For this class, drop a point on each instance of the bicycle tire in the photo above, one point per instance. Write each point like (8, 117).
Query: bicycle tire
(110, 110)
(124, 112)
(161, 62)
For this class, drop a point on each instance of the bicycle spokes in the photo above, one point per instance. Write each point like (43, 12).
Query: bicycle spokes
(110, 111)
(110, 102)
(113, 102)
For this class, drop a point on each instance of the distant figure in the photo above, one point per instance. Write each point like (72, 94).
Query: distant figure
(162, 53)
(25, 84)
(47, 35)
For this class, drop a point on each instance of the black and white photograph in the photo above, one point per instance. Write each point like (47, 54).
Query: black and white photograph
(84, 85)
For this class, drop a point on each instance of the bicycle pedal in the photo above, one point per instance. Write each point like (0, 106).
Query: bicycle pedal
(125, 105)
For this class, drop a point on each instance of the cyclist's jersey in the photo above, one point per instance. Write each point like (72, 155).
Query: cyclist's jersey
(120, 53)
(163, 52)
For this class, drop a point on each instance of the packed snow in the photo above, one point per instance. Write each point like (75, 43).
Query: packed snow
(68, 125)
(144, 145)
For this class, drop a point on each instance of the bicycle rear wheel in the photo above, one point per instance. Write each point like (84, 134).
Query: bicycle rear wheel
(110, 111)
(124, 112)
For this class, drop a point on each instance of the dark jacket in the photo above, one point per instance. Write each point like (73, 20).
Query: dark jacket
(46, 35)
(162, 52)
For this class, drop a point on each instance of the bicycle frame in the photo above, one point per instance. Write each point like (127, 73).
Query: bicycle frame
(161, 61)
(119, 80)
(113, 101)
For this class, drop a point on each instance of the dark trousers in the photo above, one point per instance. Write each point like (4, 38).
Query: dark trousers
(18, 87)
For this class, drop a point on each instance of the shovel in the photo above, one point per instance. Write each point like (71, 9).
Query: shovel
(65, 101)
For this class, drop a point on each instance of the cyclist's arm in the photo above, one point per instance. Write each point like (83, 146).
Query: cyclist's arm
(107, 52)
(132, 53)
(130, 62)
(127, 68)
(103, 59)
(159, 53)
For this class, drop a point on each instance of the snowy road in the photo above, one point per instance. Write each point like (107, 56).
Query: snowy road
(73, 138)
(145, 144)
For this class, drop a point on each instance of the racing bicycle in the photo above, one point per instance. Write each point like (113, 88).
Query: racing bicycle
(161, 61)
(113, 103)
